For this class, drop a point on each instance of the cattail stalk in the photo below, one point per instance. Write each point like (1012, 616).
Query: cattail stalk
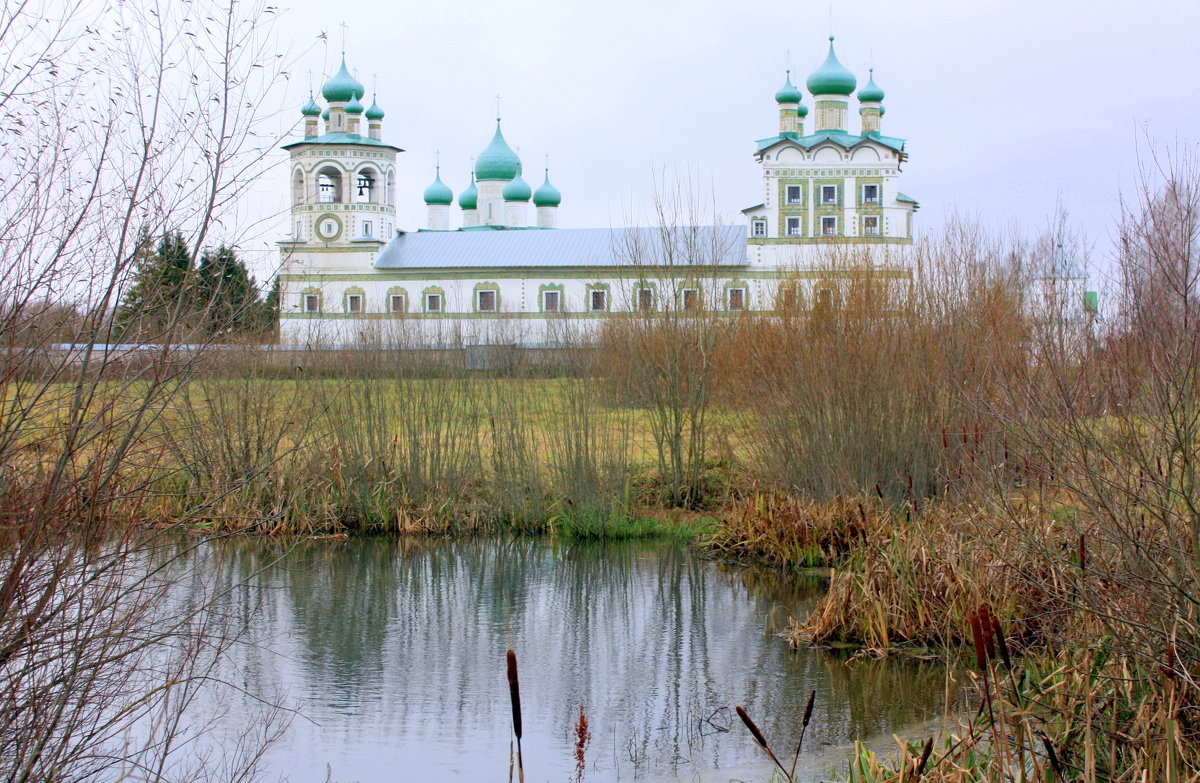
(514, 694)
(808, 709)
(762, 741)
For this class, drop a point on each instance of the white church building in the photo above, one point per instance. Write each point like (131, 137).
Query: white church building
(495, 268)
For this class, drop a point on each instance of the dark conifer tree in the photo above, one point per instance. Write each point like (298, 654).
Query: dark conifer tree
(160, 287)
(229, 294)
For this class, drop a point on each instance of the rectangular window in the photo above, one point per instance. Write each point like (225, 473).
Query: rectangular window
(487, 301)
(367, 228)
(312, 303)
(550, 303)
(760, 228)
(824, 299)
(398, 303)
(788, 298)
(793, 227)
(829, 194)
(870, 194)
(794, 194)
(354, 303)
(828, 226)
(691, 299)
(871, 225)
(645, 299)
(433, 303)
(598, 300)
(737, 299)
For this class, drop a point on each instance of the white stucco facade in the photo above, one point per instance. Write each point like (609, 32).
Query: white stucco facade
(490, 266)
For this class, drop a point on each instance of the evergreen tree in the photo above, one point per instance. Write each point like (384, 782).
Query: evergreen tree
(229, 294)
(160, 287)
(270, 309)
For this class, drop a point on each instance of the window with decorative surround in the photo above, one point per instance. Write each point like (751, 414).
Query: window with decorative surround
(645, 299)
(735, 299)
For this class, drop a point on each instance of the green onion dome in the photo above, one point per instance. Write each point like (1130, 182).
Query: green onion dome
(498, 161)
(547, 195)
(342, 87)
(469, 199)
(871, 92)
(354, 106)
(831, 78)
(789, 93)
(802, 110)
(325, 114)
(438, 193)
(518, 189)
(311, 109)
(374, 113)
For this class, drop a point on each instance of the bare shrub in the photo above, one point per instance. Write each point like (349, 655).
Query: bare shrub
(120, 123)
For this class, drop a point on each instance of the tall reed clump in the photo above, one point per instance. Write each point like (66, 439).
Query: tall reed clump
(1083, 713)
(789, 531)
(914, 578)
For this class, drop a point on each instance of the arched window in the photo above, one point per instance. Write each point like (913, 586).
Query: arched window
(329, 185)
(298, 188)
(391, 188)
(365, 189)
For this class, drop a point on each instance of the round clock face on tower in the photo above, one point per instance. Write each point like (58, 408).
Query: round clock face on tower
(329, 227)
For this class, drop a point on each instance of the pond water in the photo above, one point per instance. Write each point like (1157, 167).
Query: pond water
(393, 653)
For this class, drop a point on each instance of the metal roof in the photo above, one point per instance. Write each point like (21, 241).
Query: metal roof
(567, 247)
(342, 138)
(840, 138)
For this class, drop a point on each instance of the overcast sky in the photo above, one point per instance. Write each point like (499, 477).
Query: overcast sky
(1009, 108)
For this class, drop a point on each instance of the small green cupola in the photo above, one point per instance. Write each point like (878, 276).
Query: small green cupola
(871, 93)
(831, 78)
(311, 109)
(792, 110)
(438, 192)
(343, 86)
(374, 114)
(498, 161)
(325, 114)
(870, 106)
(547, 195)
(469, 198)
(354, 106)
(789, 93)
(517, 189)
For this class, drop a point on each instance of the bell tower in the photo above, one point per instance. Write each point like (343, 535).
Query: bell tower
(343, 181)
